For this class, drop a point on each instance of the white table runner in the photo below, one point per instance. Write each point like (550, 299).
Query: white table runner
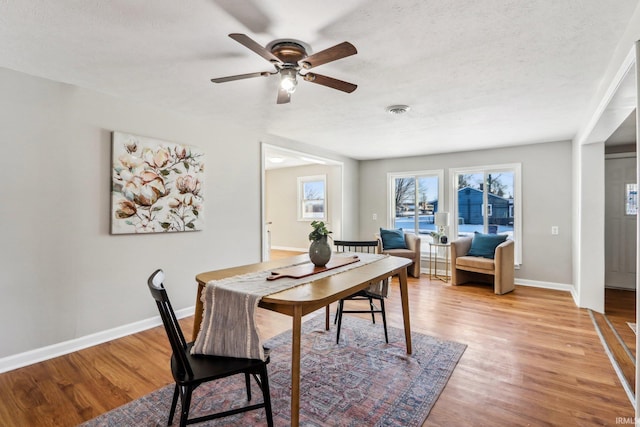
(228, 325)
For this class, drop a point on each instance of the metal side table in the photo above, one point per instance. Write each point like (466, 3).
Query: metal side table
(434, 248)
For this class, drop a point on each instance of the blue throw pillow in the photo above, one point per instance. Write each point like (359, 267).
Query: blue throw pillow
(392, 239)
(484, 245)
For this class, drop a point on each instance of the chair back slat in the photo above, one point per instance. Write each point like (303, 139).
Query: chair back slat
(379, 289)
(368, 246)
(170, 321)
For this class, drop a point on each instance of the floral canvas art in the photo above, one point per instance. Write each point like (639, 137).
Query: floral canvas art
(156, 186)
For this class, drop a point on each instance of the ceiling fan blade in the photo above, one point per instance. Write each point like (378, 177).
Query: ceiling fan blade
(247, 13)
(241, 76)
(334, 53)
(249, 43)
(284, 97)
(330, 82)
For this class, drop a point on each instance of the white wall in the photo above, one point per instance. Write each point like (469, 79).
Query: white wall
(350, 179)
(282, 204)
(62, 275)
(590, 226)
(546, 200)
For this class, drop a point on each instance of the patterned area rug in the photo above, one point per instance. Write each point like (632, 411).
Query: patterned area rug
(361, 382)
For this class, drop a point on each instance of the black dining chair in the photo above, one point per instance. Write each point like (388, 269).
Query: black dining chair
(190, 371)
(376, 292)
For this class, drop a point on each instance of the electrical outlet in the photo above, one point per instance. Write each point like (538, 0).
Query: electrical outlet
(554, 230)
(374, 217)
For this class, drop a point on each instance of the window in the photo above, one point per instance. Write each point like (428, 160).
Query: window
(414, 198)
(312, 196)
(631, 199)
(486, 199)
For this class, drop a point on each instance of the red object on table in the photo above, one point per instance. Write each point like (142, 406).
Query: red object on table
(309, 269)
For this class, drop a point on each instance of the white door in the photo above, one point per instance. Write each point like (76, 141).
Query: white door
(620, 227)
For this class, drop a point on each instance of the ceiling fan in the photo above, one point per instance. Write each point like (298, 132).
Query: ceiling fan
(290, 59)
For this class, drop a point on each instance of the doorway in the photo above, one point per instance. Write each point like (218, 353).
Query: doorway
(284, 172)
(614, 124)
(620, 221)
(620, 249)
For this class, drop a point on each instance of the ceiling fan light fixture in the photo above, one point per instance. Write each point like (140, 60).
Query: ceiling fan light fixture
(288, 80)
(288, 58)
(398, 109)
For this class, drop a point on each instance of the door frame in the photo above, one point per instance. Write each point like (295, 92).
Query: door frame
(310, 159)
(619, 100)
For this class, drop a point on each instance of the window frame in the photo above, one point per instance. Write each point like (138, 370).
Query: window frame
(391, 214)
(516, 169)
(302, 215)
(630, 199)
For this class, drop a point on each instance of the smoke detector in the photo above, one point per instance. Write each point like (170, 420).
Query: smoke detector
(398, 109)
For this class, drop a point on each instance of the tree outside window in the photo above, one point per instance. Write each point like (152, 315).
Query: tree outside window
(312, 195)
(487, 201)
(414, 199)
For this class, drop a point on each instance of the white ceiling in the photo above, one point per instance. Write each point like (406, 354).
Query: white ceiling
(278, 158)
(626, 133)
(477, 74)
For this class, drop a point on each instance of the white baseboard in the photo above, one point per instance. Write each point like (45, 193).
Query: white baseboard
(287, 248)
(30, 357)
(546, 285)
(551, 285)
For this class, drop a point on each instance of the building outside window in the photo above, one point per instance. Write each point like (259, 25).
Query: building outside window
(487, 200)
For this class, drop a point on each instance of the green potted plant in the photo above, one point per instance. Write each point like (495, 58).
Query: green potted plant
(320, 250)
(320, 231)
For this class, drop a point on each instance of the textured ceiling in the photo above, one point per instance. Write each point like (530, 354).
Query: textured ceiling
(477, 74)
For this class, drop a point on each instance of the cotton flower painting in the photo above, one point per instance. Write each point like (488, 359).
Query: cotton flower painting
(156, 186)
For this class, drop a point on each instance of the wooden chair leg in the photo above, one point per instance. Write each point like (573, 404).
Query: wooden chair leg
(339, 314)
(384, 320)
(264, 385)
(372, 308)
(186, 402)
(247, 381)
(174, 403)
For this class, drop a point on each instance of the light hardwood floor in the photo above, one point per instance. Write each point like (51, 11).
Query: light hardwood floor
(620, 308)
(533, 359)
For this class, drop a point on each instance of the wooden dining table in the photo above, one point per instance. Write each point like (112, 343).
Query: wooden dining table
(316, 294)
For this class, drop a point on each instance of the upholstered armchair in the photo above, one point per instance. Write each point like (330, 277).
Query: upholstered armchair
(499, 270)
(412, 251)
